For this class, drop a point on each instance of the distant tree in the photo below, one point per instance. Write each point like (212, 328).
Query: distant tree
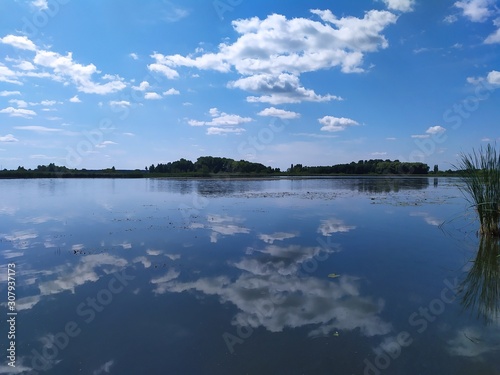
(436, 168)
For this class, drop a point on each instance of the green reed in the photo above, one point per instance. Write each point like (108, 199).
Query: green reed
(481, 175)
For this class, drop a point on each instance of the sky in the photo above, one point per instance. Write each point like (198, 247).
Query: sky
(100, 83)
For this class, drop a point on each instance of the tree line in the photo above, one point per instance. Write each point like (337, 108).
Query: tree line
(206, 166)
(372, 166)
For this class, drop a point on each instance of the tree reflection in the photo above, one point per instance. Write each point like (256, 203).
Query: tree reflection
(480, 290)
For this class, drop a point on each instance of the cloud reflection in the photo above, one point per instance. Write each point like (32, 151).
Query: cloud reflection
(334, 225)
(271, 293)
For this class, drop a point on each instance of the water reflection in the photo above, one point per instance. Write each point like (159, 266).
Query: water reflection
(480, 290)
(388, 185)
(271, 292)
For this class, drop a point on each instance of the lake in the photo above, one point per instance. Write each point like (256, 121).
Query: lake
(247, 276)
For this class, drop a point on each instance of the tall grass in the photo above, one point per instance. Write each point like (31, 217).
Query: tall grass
(480, 290)
(481, 175)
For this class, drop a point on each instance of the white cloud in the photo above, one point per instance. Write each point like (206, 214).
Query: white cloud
(173, 13)
(323, 305)
(40, 4)
(81, 75)
(276, 50)
(25, 65)
(220, 119)
(278, 89)
(120, 103)
(134, 56)
(493, 38)
(21, 42)
(420, 136)
(275, 112)
(336, 124)
(475, 10)
(401, 5)
(8, 75)
(19, 103)
(450, 18)
(334, 225)
(18, 112)
(493, 77)
(105, 368)
(75, 99)
(8, 138)
(435, 130)
(171, 91)
(9, 93)
(391, 138)
(143, 86)
(48, 102)
(163, 69)
(378, 153)
(278, 236)
(276, 44)
(128, 134)
(221, 131)
(37, 128)
(105, 143)
(152, 96)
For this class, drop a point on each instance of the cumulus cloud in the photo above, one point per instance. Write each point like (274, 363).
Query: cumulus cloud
(143, 86)
(435, 130)
(81, 75)
(278, 89)
(21, 42)
(475, 10)
(171, 91)
(493, 77)
(281, 113)
(8, 75)
(400, 5)
(275, 51)
(152, 96)
(277, 44)
(75, 99)
(9, 93)
(64, 69)
(493, 38)
(18, 112)
(222, 123)
(40, 4)
(336, 124)
(119, 103)
(163, 69)
(8, 138)
(19, 103)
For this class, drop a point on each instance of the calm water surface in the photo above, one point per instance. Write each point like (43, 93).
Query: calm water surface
(287, 276)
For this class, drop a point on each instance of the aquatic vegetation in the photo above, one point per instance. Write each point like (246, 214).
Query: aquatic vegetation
(480, 290)
(481, 175)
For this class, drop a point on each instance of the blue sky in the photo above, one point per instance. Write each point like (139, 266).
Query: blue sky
(95, 84)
